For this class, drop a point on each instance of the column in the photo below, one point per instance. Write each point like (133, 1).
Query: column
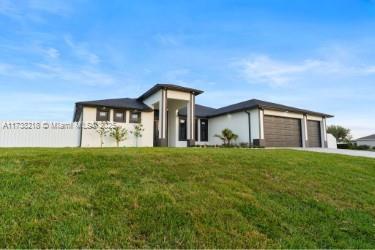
(190, 120)
(305, 136)
(163, 142)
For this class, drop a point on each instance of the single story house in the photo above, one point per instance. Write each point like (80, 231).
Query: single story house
(170, 117)
(367, 140)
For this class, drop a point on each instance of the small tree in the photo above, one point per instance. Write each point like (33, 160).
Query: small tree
(119, 134)
(340, 133)
(102, 129)
(227, 136)
(138, 129)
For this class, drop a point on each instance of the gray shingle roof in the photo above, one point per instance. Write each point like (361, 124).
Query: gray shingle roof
(254, 103)
(204, 111)
(119, 103)
(125, 103)
(200, 111)
(370, 137)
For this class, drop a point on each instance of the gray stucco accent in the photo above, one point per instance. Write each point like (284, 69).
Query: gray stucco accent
(259, 142)
(191, 143)
(163, 142)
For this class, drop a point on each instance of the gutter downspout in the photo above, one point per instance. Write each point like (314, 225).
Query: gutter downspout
(249, 123)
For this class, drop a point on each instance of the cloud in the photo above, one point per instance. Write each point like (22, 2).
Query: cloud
(57, 73)
(34, 10)
(36, 106)
(167, 40)
(81, 51)
(52, 53)
(266, 70)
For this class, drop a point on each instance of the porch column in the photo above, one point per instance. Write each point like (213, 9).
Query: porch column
(323, 129)
(190, 120)
(305, 136)
(260, 142)
(163, 142)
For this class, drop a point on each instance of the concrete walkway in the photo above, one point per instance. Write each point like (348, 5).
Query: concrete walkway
(362, 153)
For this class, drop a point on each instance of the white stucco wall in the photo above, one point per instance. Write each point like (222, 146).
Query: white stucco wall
(238, 123)
(331, 141)
(90, 138)
(370, 143)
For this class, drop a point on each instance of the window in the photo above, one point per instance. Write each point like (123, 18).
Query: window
(204, 130)
(182, 129)
(102, 114)
(135, 117)
(119, 116)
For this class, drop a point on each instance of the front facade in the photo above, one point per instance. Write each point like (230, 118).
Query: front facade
(170, 117)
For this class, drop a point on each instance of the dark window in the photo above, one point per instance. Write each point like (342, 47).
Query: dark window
(102, 114)
(182, 129)
(204, 130)
(119, 116)
(196, 129)
(135, 117)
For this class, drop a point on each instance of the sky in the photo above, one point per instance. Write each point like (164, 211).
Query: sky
(317, 55)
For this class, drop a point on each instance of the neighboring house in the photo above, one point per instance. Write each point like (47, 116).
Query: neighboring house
(367, 140)
(170, 117)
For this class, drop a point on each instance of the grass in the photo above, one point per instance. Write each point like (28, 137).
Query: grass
(185, 198)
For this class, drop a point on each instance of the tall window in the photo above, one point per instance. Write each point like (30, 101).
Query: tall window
(182, 129)
(102, 114)
(204, 130)
(135, 117)
(196, 129)
(119, 115)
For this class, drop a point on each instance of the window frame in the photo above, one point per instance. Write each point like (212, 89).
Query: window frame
(139, 120)
(99, 118)
(116, 111)
(182, 135)
(203, 130)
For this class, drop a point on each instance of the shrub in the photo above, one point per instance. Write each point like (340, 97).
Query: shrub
(363, 147)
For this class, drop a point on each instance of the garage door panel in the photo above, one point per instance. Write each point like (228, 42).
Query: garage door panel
(282, 132)
(314, 133)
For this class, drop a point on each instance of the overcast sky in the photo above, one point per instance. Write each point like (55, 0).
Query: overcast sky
(318, 55)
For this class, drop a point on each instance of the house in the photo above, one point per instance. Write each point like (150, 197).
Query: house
(170, 117)
(367, 140)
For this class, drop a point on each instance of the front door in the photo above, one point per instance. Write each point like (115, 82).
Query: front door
(156, 128)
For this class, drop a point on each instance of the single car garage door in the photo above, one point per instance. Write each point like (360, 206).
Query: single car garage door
(282, 132)
(313, 133)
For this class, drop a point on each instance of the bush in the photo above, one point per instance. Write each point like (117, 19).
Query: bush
(363, 147)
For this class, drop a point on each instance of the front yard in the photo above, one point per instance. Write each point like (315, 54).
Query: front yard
(185, 198)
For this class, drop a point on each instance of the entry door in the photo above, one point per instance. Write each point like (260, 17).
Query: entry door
(156, 128)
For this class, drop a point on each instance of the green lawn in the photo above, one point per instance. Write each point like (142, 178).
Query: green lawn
(185, 198)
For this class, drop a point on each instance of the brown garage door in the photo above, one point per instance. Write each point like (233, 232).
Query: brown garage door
(282, 132)
(313, 132)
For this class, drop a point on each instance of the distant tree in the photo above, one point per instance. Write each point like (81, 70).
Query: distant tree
(138, 129)
(340, 133)
(227, 136)
(119, 134)
(102, 128)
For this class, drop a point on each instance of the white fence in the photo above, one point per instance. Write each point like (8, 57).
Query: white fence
(39, 134)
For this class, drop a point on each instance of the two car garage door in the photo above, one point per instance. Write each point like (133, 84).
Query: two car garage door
(287, 132)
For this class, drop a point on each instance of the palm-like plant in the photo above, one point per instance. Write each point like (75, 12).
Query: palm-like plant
(227, 136)
(119, 134)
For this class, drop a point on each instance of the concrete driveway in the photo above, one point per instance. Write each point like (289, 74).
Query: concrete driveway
(362, 153)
